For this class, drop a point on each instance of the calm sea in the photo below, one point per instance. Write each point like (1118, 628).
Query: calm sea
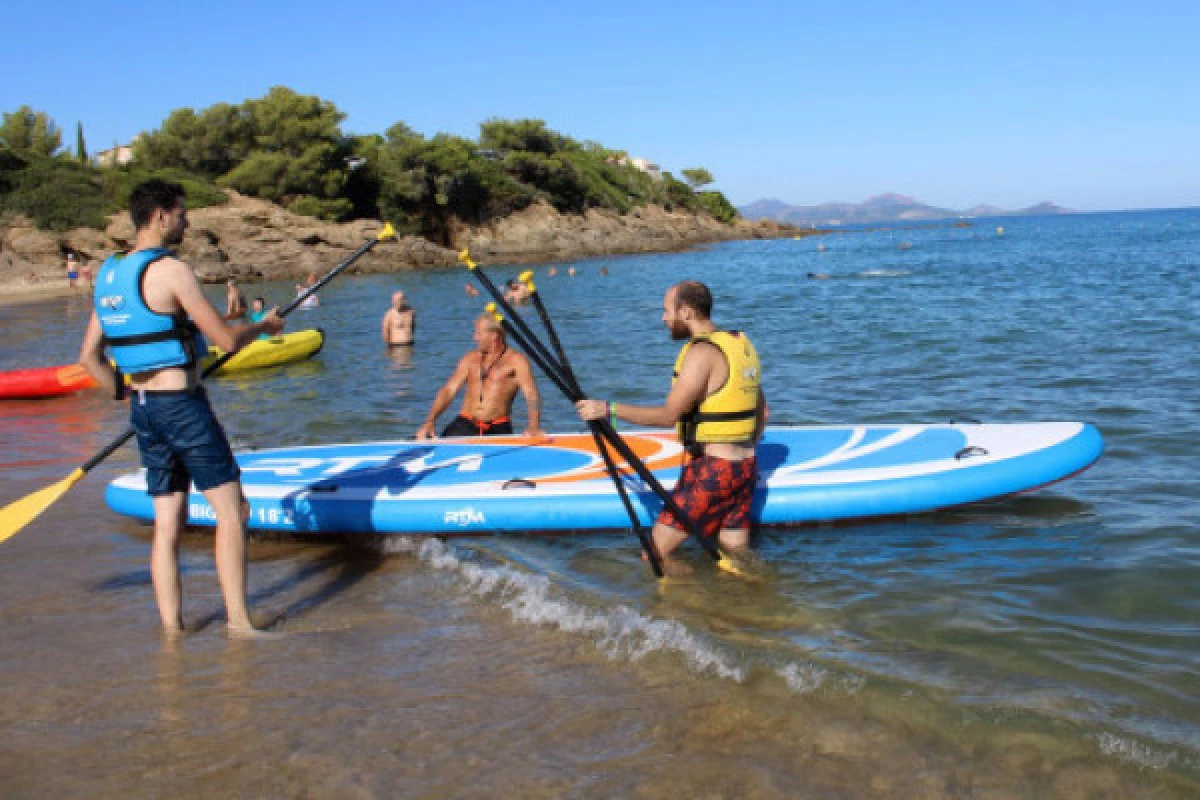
(1044, 646)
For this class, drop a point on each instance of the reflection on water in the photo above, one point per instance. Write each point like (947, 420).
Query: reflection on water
(1041, 646)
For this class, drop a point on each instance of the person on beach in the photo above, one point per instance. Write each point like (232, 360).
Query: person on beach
(492, 373)
(311, 301)
(399, 322)
(235, 301)
(154, 319)
(72, 270)
(717, 405)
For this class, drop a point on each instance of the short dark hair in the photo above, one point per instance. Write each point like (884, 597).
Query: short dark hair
(259, 300)
(150, 196)
(696, 296)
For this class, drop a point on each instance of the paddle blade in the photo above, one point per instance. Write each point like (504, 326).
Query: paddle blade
(465, 257)
(388, 232)
(15, 516)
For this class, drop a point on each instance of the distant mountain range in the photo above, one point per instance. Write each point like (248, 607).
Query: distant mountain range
(881, 208)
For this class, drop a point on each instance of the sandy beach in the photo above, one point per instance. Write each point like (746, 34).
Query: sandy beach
(12, 292)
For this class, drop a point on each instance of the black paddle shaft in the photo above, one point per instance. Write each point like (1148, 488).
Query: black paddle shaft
(601, 447)
(605, 428)
(129, 433)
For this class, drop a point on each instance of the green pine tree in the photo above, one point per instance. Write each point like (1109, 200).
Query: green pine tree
(80, 145)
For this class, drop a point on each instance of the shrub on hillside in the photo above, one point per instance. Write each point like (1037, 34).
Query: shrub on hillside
(59, 193)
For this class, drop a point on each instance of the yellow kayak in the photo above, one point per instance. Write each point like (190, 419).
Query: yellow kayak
(271, 352)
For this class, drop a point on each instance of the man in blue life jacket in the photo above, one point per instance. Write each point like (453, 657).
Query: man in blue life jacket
(717, 405)
(153, 318)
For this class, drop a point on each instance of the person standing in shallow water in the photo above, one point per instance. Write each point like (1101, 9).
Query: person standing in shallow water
(717, 404)
(492, 373)
(311, 301)
(153, 318)
(235, 301)
(399, 322)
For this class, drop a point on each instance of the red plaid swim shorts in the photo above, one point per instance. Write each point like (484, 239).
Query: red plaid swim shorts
(715, 494)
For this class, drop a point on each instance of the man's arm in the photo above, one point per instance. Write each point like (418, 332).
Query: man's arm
(533, 400)
(387, 316)
(760, 415)
(686, 394)
(230, 338)
(443, 399)
(91, 355)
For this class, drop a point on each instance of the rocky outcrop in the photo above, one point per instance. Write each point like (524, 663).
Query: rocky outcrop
(539, 233)
(255, 240)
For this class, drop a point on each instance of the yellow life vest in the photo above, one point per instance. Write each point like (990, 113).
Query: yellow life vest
(728, 414)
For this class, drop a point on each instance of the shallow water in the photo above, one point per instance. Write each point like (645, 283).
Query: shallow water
(1044, 646)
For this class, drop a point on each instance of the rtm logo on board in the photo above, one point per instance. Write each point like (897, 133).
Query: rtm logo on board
(463, 518)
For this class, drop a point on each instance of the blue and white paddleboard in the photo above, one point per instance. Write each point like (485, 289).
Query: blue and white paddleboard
(514, 484)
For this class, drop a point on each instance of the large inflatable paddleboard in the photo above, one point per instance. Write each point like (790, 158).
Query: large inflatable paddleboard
(515, 484)
(274, 351)
(45, 381)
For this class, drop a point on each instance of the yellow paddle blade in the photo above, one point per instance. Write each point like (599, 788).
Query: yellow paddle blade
(465, 257)
(15, 516)
(388, 232)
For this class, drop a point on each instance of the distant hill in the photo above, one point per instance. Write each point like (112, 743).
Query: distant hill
(880, 208)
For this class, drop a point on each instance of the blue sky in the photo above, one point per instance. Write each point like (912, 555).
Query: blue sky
(1091, 105)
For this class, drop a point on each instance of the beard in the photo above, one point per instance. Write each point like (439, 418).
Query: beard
(173, 237)
(678, 331)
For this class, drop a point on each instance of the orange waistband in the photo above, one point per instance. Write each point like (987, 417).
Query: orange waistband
(484, 424)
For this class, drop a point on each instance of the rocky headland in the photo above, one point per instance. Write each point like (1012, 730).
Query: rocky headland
(255, 240)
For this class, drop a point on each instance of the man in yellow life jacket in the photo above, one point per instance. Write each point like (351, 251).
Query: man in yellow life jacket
(717, 405)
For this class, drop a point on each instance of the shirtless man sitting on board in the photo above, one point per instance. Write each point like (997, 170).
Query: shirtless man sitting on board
(492, 373)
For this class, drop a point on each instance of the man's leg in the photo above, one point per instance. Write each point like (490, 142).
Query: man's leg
(170, 514)
(226, 501)
(666, 541)
(735, 541)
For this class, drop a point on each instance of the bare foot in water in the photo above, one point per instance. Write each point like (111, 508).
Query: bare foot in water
(259, 627)
(251, 632)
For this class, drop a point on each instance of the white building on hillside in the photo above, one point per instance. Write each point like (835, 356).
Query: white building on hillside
(649, 167)
(116, 156)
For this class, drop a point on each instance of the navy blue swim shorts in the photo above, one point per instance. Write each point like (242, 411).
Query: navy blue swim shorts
(181, 441)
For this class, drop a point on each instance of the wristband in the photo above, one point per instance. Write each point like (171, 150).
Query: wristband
(612, 414)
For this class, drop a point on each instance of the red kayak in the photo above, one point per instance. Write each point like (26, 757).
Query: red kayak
(45, 381)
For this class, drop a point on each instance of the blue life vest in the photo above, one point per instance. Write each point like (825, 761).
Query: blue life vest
(139, 339)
